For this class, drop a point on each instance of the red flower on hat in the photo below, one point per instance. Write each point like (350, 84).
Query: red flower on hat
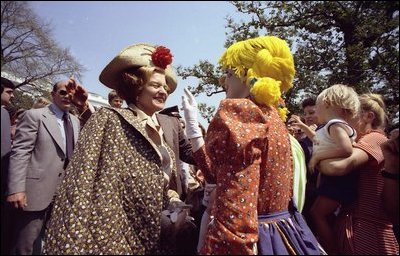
(161, 57)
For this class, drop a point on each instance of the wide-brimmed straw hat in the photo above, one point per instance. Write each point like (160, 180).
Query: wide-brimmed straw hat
(137, 55)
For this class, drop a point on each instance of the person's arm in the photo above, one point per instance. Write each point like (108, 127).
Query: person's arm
(343, 147)
(193, 130)
(23, 146)
(343, 166)
(390, 150)
(80, 99)
(185, 147)
(85, 112)
(390, 194)
(194, 134)
(235, 155)
(308, 130)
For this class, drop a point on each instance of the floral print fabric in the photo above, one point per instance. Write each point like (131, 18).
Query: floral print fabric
(113, 193)
(248, 155)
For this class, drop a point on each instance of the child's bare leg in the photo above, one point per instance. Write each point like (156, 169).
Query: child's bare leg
(322, 213)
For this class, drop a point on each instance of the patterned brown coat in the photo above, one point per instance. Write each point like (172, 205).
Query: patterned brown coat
(113, 192)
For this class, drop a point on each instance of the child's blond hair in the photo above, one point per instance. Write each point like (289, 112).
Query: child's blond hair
(343, 97)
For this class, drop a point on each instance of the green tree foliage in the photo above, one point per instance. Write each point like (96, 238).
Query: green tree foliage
(206, 111)
(28, 53)
(350, 42)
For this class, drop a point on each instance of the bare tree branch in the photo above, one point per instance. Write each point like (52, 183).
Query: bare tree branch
(27, 50)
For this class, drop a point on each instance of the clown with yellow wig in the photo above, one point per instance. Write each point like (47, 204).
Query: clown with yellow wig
(247, 154)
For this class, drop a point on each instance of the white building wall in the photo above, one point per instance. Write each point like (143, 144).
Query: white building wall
(97, 100)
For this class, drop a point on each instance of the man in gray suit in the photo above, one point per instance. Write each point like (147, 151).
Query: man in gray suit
(39, 158)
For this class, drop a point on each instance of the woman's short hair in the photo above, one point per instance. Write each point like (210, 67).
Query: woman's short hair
(132, 81)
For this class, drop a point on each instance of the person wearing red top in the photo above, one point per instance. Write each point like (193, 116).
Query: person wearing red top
(247, 154)
(364, 227)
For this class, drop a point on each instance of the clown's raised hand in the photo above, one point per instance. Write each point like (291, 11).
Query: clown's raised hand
(190, 111)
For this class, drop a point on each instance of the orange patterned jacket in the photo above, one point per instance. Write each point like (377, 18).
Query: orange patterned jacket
(247, 154)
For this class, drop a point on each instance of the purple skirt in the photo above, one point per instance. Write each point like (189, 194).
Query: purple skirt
(285, 233)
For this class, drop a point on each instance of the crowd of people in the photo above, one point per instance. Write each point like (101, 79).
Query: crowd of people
(142, 179)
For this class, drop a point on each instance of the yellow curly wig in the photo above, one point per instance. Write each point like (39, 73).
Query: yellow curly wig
(266, 65)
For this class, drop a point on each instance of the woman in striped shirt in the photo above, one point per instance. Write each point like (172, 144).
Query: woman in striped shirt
(363, 227)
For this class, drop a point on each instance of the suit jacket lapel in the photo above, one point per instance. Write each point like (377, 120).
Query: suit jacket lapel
(167, 128)
(51, 124)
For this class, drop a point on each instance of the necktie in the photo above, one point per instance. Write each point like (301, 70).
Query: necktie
(69, 135)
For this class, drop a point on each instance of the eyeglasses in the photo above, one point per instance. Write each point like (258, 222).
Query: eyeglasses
(62, 92)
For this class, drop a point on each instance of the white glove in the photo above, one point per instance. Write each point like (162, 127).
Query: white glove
(190, 111)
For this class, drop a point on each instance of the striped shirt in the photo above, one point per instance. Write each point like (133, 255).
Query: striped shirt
(371, 229)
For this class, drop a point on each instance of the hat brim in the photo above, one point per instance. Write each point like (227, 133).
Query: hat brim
(133, 56)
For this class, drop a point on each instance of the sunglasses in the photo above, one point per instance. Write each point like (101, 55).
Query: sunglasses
(62, 92)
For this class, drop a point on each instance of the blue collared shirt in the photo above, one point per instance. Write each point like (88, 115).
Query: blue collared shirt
(59, 116)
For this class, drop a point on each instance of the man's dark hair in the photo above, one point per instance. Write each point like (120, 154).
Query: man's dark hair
(308, 102)
(55, 86)
(5, 83)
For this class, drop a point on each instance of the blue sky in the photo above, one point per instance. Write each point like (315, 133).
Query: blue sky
(96, 31)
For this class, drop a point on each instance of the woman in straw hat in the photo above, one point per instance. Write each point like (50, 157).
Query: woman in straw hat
(247, 153)
(120, 187)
